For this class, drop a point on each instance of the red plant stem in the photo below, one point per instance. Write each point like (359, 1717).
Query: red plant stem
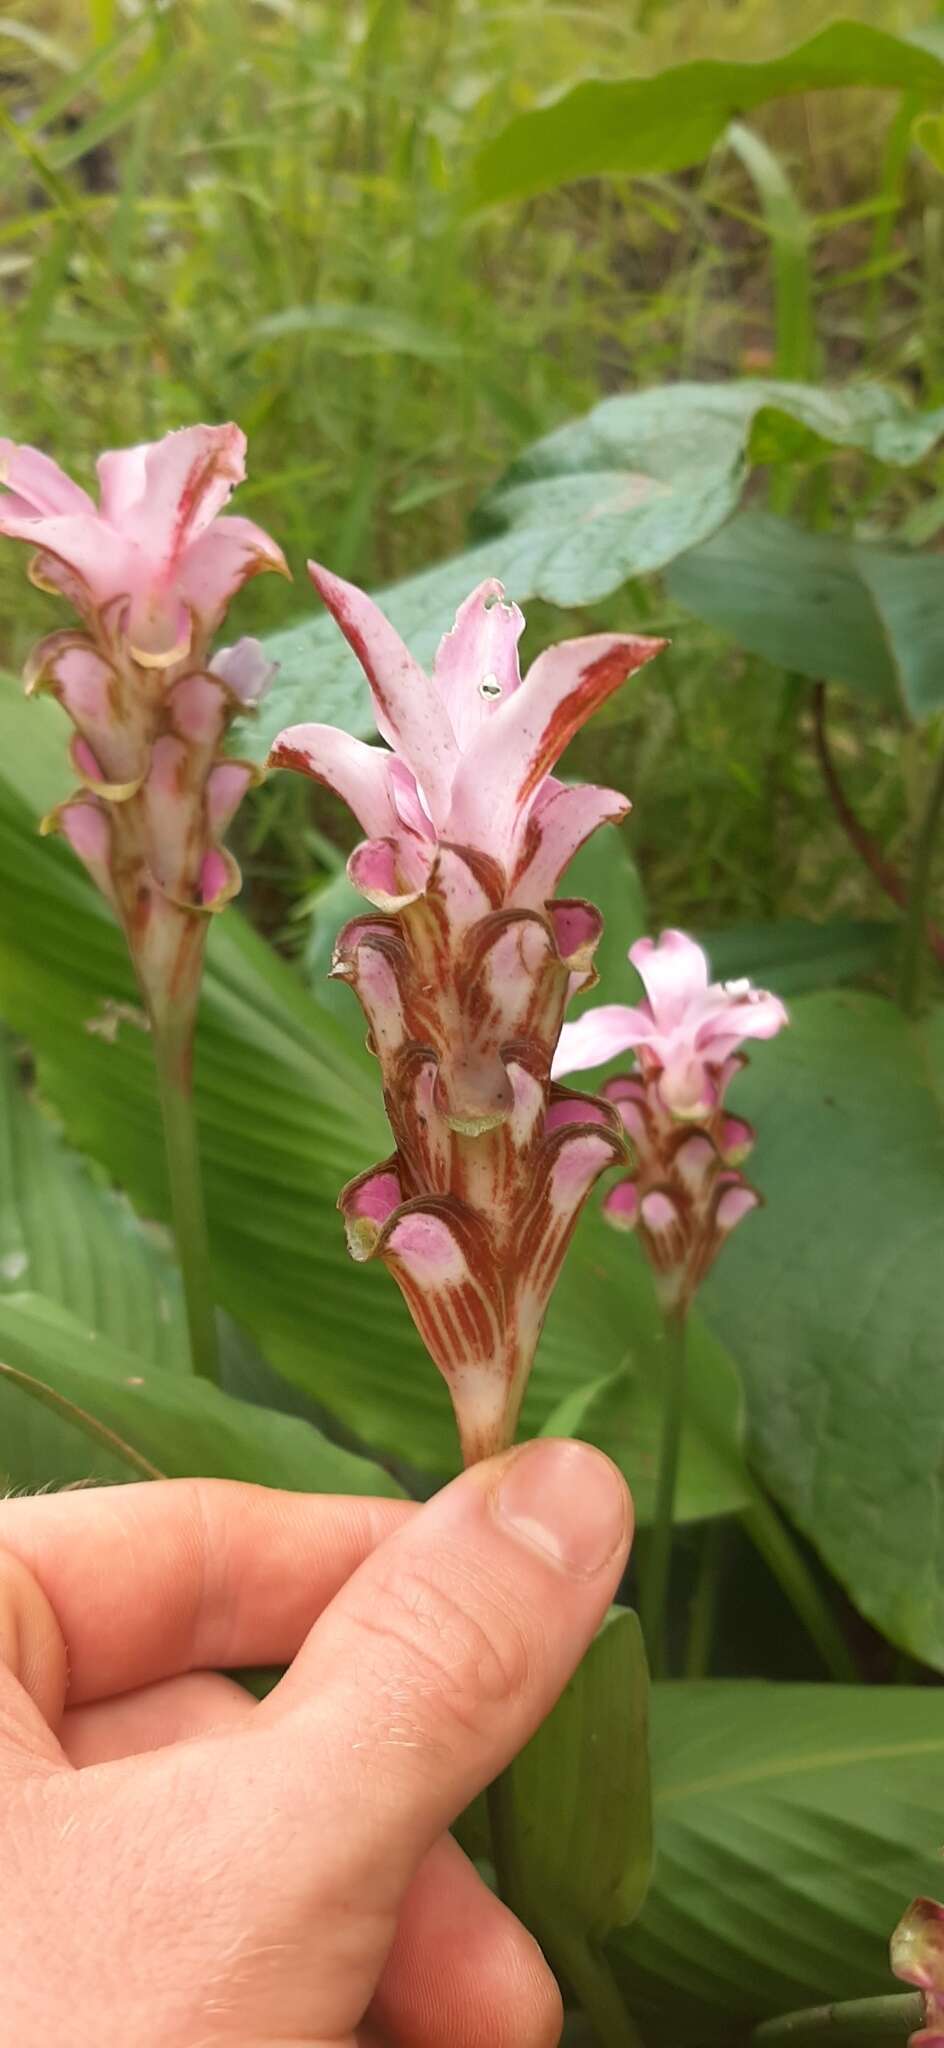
(867, 848)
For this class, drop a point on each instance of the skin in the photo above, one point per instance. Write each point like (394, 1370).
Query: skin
(183, 1867)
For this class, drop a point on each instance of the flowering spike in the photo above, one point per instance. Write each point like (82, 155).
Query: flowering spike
(464, 970)
(150, 570)
(917, 1957)
(686, 1192)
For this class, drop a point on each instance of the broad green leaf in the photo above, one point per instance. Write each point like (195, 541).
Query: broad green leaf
(67, 1236)
(792, 1822)
(822, 606)
(794, 956)
(831, 1301)
(581, 1791)
(177, 1426)
(619, 493)
(664, 123)
(622, 1411)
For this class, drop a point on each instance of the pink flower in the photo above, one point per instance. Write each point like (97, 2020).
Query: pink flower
(150, 573)
(472, 747)
(686, 1192)
(463, 970)
(917, 1957)
(152, 567)
(685, 1032)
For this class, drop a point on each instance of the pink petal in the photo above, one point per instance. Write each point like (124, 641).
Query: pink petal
(407, 799)
(734, 1204)
(555, 830)
(514, 751)
(163, 494)
(198, 708)
(88, 830)
(577, 928)
(737, 1140)
(686, 1085)
(96, 701)
(227, 784)
(476, 667)
(574, 1109)
(35, 487)
(158, 625)
(359, 774)
(664, 1231)
(695, 1161)
(367, 1204)
(675, 973)
(167, 796)
(220, 879)
(245, 670)
(599, 1035)
(390, 872)
(751, 1014)
(408, 708)
(91, 553)
(621, 1206)
(219, 562)
(371, 957)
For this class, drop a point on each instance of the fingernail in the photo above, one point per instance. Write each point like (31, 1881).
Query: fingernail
(565, 1500)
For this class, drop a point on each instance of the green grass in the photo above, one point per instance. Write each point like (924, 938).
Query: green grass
(220, 208)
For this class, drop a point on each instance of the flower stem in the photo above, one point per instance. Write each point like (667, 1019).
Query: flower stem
(173, 1049)
(578, 1961)
(772, 1538)
(864, 2020)
(655, 1583)
(914, 946)
(704, 1608)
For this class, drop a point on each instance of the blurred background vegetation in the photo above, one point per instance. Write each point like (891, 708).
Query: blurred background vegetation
(254, 209)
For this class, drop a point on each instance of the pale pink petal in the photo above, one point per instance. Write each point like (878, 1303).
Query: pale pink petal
(88, 830)
(408, 708)
(359, 774)
(227, 784)
(687, 1087)
(513, 752)
(675, 973)
(390, 872)
(90, 691)
(370, 957)
(219, 562)
(695, 1162)
(198, 709)
(245, 670)
(739, 1012)
(163, 494)
(734, 1204)
(101, 564)
(664, 1231)
(621, 1206)
(167, 803)
(90, 771)
(219, 881)
(158, 624)
(599, 1035)
(555, 829)
(476, 667)
(36, 486)
(408, 800)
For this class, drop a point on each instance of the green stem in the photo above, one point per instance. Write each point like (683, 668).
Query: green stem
(776, 1545)
(655, 1581)
(575, 1959)
(863, 2019)
(704, 1607)
(583, 1966)
(914, 947)
(172, 1056)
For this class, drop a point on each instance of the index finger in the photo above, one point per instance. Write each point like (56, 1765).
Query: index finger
(177, 1575)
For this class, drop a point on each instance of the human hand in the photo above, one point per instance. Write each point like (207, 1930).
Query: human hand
(183, 1867)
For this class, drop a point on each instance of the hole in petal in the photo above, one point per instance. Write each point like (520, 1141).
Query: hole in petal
(490, 688)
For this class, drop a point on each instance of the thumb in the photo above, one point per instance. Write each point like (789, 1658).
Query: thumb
(446, 1649)
(33, 1667)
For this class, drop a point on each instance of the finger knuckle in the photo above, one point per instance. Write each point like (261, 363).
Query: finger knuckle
(461, 1646)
